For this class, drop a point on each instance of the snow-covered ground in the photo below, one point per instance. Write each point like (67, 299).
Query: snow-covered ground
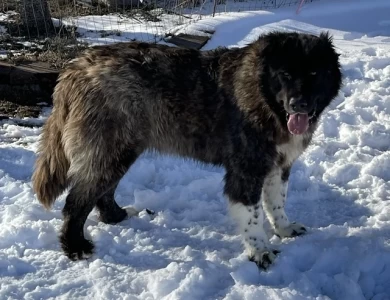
(340, 188)
(106, 29)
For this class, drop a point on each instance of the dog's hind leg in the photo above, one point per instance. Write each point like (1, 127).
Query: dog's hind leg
(79, 203)
(274, 198)
(103, 176)
(110, 212)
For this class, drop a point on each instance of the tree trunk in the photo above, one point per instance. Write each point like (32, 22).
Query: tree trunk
(36, 18)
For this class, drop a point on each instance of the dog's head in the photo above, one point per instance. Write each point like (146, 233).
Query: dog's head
(301, 76)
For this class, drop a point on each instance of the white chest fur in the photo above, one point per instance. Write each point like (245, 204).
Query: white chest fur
(293, 148)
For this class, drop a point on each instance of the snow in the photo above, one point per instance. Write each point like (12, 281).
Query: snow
(106, 29)
(346, 16)
(339, 188)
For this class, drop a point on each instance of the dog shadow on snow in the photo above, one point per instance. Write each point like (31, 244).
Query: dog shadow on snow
(329, 247)
(318, 204)
(326, 214)
(17, 162)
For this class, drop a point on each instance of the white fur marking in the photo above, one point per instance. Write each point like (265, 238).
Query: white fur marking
(250, 221)
(273, 200)
(292, 149)
(293, 229)
(86, 255)
(131, 211)
(274, 197)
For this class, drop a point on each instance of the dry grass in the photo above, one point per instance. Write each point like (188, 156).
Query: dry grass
(60, 51)
(56, 51)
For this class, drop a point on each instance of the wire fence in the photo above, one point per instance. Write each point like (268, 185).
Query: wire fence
(56, 30)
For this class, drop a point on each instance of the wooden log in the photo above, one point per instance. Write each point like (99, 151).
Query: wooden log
(188, 41)
(28, 83)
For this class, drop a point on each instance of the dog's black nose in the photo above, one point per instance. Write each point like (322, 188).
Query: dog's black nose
(298, 104)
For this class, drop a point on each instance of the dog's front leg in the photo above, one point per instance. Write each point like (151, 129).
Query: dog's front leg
(245, 206)
(274, 195)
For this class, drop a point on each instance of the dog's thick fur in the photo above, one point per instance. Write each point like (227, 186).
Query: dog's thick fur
(226, 107)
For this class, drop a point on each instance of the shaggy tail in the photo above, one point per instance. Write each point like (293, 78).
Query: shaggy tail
(51, 167)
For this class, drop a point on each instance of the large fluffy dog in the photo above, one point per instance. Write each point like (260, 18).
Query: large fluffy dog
(252, 110)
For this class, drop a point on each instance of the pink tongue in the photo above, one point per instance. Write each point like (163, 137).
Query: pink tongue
(298, 123)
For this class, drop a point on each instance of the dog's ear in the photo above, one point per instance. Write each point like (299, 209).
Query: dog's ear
(270, 43)
(325, 36)
(266, 48)
(326, 39)
(326, 42)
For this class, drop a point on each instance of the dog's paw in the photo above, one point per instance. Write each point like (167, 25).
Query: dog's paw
(132, 212)
(77, 249)
(263, 259)
(150, 214)
(292, 230)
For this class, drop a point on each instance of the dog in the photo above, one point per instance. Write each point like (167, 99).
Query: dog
(252, 110)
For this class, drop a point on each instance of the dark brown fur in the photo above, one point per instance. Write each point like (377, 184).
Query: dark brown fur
(219, 107)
